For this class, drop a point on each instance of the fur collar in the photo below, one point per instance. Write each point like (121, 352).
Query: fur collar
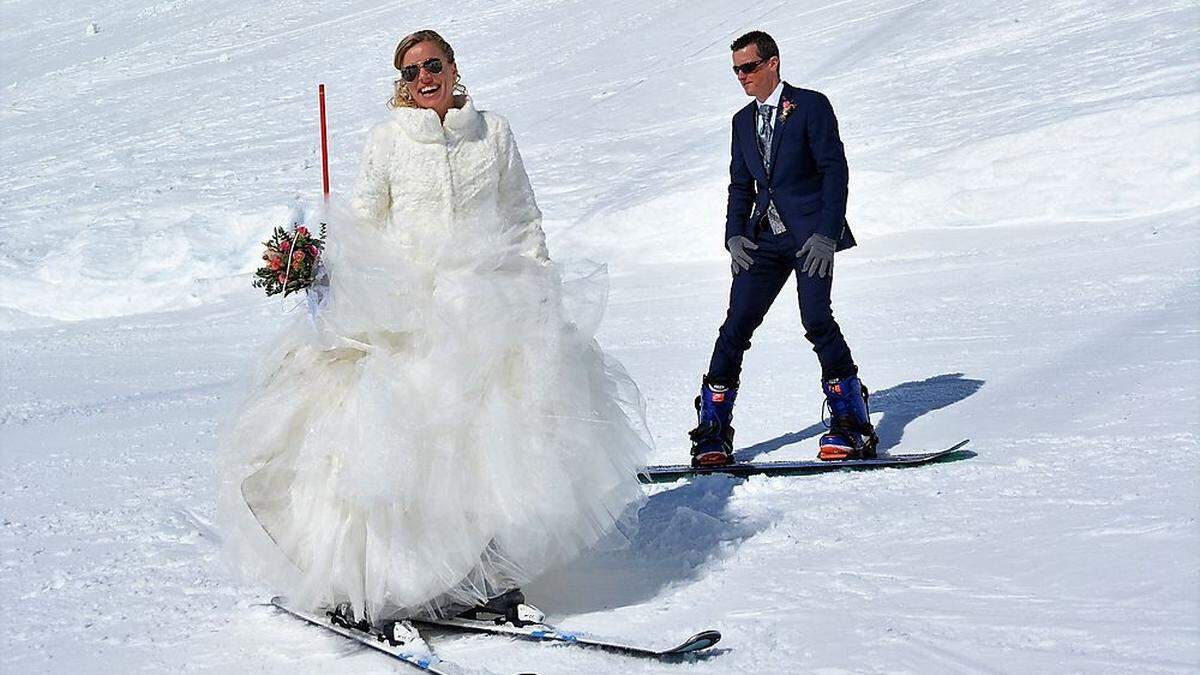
(462, 122)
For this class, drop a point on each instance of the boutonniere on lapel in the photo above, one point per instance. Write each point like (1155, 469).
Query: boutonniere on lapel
(785, 109)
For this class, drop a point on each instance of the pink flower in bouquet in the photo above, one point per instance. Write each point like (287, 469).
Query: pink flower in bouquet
(290, 259)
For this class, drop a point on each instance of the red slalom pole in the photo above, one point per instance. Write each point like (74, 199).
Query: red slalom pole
(324, 145)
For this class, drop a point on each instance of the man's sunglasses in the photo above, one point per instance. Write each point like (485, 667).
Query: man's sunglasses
(749, 67)
(409, 73)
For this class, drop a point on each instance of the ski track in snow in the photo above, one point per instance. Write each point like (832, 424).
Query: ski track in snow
(1025, 186)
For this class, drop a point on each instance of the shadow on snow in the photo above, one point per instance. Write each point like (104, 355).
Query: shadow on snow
(680, 528)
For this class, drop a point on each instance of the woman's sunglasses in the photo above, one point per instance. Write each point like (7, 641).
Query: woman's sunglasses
(409, 73)
(749, 67)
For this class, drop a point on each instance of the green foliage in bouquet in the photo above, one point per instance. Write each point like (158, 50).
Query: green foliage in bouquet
(291, 259)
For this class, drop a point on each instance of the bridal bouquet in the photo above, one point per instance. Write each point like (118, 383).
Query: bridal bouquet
(292, 259)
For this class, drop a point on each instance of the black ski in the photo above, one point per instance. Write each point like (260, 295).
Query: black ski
(547, 633)
(666, 473)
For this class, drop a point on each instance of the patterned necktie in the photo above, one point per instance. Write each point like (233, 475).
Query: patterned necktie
(764, 139)
(764, 134)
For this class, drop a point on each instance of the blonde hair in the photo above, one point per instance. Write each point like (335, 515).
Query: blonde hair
(400, 96)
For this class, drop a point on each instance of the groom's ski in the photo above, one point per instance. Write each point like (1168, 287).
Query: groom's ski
(417, 658)
(541, 632)
(666, 473)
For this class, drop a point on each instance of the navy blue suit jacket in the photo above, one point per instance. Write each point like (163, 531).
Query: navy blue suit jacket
(809, 177)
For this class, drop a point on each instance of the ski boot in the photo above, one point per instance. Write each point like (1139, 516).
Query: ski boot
(712, 439)
(395, 633)
(509, 607)
(398, 633)
(850, 434)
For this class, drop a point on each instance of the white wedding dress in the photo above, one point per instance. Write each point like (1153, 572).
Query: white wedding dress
(447, 428)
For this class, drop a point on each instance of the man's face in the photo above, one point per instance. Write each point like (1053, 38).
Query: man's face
(765, 77)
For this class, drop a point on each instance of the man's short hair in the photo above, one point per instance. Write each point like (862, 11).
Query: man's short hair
(765, 43)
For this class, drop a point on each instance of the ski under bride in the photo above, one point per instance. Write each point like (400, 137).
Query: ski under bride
(447, 428)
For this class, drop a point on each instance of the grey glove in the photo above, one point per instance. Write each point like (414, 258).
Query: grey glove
(737, 246)
(818, 255)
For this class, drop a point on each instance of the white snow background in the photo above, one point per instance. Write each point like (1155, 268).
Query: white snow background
(1025, 187)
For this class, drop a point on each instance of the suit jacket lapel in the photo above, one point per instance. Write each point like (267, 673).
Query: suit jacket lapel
(777, 128)
(749, 131)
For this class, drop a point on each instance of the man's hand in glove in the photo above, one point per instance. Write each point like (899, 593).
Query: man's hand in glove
(737, 250)
(818, 255)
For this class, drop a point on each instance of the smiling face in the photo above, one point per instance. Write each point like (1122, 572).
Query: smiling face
(430, 90)
(765, 77)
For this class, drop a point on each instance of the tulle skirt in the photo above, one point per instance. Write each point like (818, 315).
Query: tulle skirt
(446, 429)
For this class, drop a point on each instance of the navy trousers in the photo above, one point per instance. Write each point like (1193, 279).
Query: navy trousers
(751, 295)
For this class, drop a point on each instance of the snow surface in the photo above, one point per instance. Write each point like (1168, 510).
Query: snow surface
(1026, 192)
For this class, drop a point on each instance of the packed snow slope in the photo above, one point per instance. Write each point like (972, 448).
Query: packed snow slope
(1025, 186)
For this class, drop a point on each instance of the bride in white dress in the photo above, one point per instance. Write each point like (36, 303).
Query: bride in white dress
(450, 429)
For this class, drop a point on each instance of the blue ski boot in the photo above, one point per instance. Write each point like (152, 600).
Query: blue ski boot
(712, 439)
(850, 434)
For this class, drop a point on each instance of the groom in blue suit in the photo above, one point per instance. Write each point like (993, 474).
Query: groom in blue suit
(786, 214)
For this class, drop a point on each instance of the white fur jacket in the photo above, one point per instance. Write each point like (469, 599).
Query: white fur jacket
(420, 177)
